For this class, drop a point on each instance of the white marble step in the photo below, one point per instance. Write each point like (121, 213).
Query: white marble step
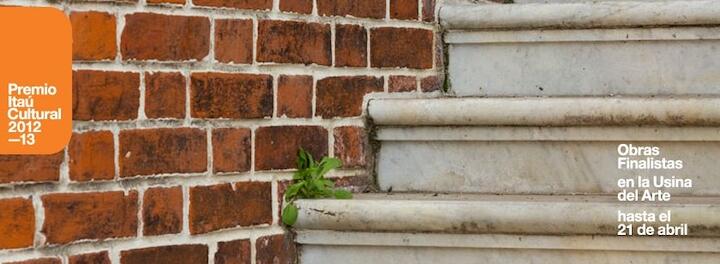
(542, 145)
(646, 48)
(498, 214)
(428, 228)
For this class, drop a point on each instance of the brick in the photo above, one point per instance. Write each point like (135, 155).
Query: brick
(275, 249)
(297, 6)
(401, 47)
(148, 36)
(162, 211)
(93, 36)
(100, 215)
(428, 10)
(175, 254)
(90, 258)
(404, 9)
(354, 183)
(165, 95)
(179, 2)
(350, 145)
(17, 223)
(238, 4)
(277, 147)
(231, 95)
(231, 149)
(234, 41)
(92, 156)
(343, 96)
(233, 252)
(30, 168)
(430, 84)
(294, 42)
(222, 206)
(365, 8)
(294, 97)
(402, 84)
(162, 150)
(350, 46)
(38, 261)
(100, 95)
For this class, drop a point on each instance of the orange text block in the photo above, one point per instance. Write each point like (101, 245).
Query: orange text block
(35, 80)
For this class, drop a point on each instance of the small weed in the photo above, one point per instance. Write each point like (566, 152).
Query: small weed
(310, 183)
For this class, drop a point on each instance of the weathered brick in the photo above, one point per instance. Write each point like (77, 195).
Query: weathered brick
(234, 40)
(350, 46)
(180, 2)
(277, 147)
(343, 96)
(162, 211)
(176, 254)
(17, 223)
(294, 97)
(231, 95)
(430, 84)
(294, 42)
(428, 10)
(100, 95)
(91, 156)
(365, 8)
(100, 215)
(402, 84)
(401, 47)
(38, 261)
(222, 206)
(93, 36)
(350, 145)
(30, 168)
(404, 9)
(297, 6)
(231, 149)
(358, 183)
(90, 258)
(148, 36)
(165, 95)
(239, 4)
(162, 150)
(233, 252)
(275, 249)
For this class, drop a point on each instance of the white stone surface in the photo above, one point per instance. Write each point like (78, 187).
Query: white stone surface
(507, 241)
(496, 214)
(534, 167)
(579, 68)
(568, 134)
(542, 111)
(580, 15)
(312, 254)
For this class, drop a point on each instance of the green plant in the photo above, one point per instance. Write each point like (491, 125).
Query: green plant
(309, 183)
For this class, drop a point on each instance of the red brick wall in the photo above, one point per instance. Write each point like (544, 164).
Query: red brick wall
(187, 118)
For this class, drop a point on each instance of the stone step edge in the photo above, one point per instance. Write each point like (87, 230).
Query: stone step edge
(546, 111)
(498, 214)
(579, 15)
(503, 241)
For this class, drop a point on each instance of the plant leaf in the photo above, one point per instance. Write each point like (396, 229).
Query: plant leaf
(302, 160)
(328, 183)
(290, 214)
(342, 194)
(292, 190)
(328, 164)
